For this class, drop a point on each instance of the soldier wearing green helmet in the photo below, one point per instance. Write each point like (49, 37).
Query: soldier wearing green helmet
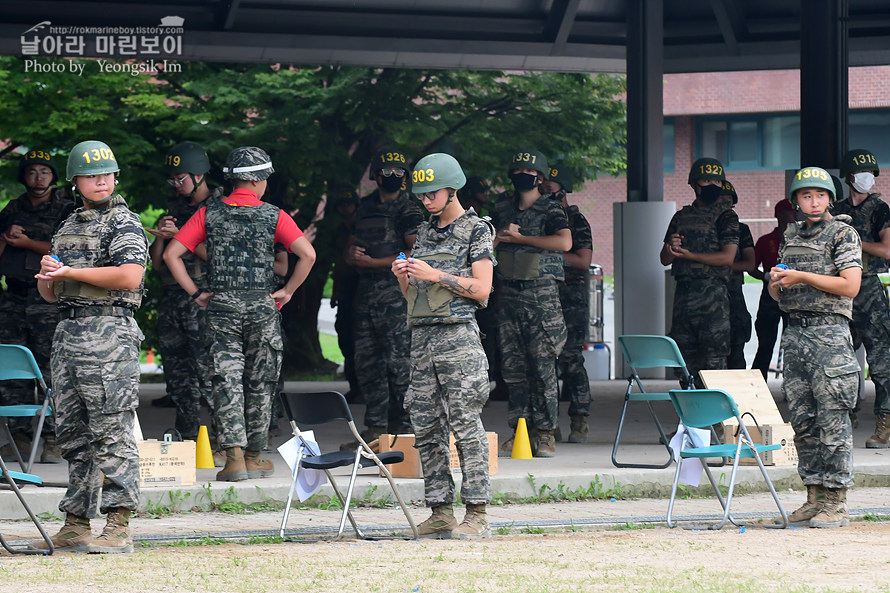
(700, 245)
(95, 271)
(445, 280)
(532, 234)
(239, 292)
(27, 224)
(385, 224)
(870, 216)
(181, 321)
(818, 276)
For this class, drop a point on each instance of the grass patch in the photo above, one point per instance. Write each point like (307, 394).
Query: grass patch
(330, 349)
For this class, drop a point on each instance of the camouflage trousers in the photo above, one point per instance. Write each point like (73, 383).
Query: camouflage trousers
(575, 382)
(871, 327)
(27, 320)
(739, 329)
(382, 350)
(95, 367)
(767, 327)
(449, 386)
(245, 350)
(821, 385)
(183, 346)
(532, 333)
(700, 323)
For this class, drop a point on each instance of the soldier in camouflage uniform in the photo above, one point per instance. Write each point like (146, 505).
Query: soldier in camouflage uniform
(821, 269)
(446, 278)
(95, 272)
(532, 234)
(575, 300)
(739, 316)
(871, 312)
(27, 225)
(700, 245)
(385, 224)
(181, 321)
(243, 318)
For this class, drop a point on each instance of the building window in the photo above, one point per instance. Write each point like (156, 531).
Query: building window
(668, 147)
(751, 142)
(868, 129)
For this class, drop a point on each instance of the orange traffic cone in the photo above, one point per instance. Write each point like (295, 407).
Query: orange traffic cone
(522, 447)
(150, 357)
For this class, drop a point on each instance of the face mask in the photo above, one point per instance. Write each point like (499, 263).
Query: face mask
(863, 182)
(523, 181)
(709, 193)
(391, 184)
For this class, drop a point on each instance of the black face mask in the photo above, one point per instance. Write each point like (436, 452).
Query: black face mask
(391, 184)
(523, 181)
(710, 193)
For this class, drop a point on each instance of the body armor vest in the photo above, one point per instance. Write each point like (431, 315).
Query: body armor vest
(17, 263)
(698, 225)
(240, 246)
(868, 218)
(182, 210)
(524, 262)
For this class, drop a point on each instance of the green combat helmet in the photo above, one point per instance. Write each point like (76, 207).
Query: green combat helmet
(187, 157)
(388, 159)
(436, 171)
(563, 177)
(706, 168)
(91, 157)
(811, 177)
(529, 159)
(38, 157)
(248, 163)
(729, 190)
(858, 160)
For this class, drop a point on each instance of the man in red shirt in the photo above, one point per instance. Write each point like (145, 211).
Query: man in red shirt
(243, 318)
(766, 252)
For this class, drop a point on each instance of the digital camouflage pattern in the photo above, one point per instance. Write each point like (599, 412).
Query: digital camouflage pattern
(545, 217)
(248, 163)
(28, 320)
(868, 218)
(739, 316)
(240, 246)
(95, 364)
(826, 248)
(467, 240)
(244, 333)
(381, 227)
(575, 300)
(532, 333)
(705, 229)
(449, 386)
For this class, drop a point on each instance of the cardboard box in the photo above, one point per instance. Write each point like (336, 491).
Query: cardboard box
(769, 434)
(410, 467)
(165, 463)
(492, 453)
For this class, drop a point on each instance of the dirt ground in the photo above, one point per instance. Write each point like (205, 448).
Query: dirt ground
(636, 558)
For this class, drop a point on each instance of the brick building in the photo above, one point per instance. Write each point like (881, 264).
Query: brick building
(750, 121)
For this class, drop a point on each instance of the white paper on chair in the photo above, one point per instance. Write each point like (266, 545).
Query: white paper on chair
(686, 438)
(309, 481)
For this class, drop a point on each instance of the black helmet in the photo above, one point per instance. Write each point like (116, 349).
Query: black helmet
(529, 159)
(706, 168)
(187, 157)
(857, 160)
(386, 159)
(562, 177)
(37, 157)
(729, 190)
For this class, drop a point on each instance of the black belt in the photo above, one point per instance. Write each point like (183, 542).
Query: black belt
(816, 320)
(76, 312)
(522, 284)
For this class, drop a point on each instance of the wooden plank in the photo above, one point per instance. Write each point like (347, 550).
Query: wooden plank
(750, 392)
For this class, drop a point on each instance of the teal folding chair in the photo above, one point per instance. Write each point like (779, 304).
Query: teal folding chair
(11, 478)
(702, 408)
(646, 352)
(17, 362)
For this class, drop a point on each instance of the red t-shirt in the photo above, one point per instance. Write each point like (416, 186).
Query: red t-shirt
(194, 232)
(766, 250)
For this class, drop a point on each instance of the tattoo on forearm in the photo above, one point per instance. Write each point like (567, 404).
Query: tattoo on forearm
(451, 283)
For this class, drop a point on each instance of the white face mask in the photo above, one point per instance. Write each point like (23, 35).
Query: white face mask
(863, 182)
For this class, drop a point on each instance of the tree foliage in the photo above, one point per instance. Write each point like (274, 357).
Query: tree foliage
(321, 125)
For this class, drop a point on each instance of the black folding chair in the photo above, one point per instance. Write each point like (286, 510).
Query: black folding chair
(312, 409)
(11, 477)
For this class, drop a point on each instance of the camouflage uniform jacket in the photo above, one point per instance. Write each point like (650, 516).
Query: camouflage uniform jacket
(868, 218)
(40, 222)
(828, 247)
(182, 209)
(240, 246)
(543, 218)
(582, 238)
(100, 237)
(381, 227)
(705, 229)
(452, 250)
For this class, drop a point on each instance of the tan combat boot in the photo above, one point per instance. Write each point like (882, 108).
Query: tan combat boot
(257, 467)
(115, 538)
(881, 438)
(579, 429)
(475, 524)
(439, 526)
(235, 469)
(369, 435)
(834, 511)
(74, 536)
(544, 444)
(815, 500)
(51, 452)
